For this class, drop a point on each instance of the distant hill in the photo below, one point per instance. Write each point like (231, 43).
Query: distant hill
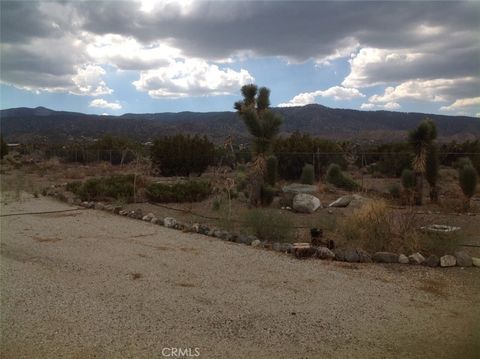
(23, 124)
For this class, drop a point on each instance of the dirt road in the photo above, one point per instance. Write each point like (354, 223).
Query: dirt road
(89, 284)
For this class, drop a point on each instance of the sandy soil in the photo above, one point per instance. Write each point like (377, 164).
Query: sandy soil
(88, 284)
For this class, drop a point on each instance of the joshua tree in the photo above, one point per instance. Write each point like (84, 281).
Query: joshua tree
(420, 139)
(263, 125)
(431, 171)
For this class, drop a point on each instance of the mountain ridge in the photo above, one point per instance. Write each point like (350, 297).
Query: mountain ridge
(23, 123)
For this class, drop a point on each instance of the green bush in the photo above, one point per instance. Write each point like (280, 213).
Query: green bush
(190, 191)
(408, 179)
(182, 155)
(394, 190)
(308, 174)
(269, 225)
(272, 170)
(468, 180)
(118, 187)
(295, 151)
(387, 159)
(267, 194)
(463, 162)
(336, 177)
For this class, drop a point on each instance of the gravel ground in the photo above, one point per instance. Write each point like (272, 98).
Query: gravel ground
(90, 284)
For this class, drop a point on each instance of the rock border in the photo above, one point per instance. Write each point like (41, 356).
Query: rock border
(298, 250)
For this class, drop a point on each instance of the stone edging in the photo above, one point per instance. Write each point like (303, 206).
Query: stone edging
(298, 250)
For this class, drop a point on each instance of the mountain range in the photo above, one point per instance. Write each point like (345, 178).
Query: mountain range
(30, 124)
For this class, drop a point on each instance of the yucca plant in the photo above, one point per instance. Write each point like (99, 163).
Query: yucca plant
(420, 139)
(272, 170)
(263, 125)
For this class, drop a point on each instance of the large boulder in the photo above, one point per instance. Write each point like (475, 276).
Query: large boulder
(299, 188)
(357, 201)
(476, 261)
(385, 257)
(305, 203)
(169, 222)
(463, 259)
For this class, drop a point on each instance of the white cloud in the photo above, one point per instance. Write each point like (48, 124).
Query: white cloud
(462, 104)
(101, 103)
(191, 77)
(391, 106)
(88, 81)
(335, 92)
(367, 106)
(126, 53)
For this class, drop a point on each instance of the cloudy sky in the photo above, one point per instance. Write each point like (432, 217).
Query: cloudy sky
(184, 55)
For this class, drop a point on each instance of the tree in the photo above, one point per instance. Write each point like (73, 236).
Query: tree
(432, 171)
(181, 155)
(263, 125)
(420, 139)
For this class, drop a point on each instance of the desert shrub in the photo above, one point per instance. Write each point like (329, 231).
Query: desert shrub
(408, 179)
(3, 148)
(468, 178)
(336, 177)
(216, 205)
(308, 175)
(115, 187)
(451, 152)
(387, 159)
(376, 227)
(463, 162)
(269, 225)
(272, 170)
(267, 195)
(432, 168)
(298, 149)
(395, 190)
(182, 155)
(190, 191)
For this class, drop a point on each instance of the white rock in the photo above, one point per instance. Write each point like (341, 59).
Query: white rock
(416, 258)
(169, 222)
(448, 261)
(402, 258)
(343, 201)
(256, 243)
(476, 261)
(305, 203)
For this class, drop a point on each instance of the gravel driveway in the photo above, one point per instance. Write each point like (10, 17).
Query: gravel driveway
(87, 284)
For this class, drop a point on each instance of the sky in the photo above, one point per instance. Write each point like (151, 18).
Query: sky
(115, 57)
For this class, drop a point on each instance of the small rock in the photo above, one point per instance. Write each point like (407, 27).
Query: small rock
(305, 203)
(148, 217)
(256, 243)
(123, 212)
(351, 255)
(244, 239)
(364, 256)
(448, 261)
(402, 258)
(385, 257)
(343, 201)
(463, 259)
(158, 221)
(416, 258)
(476, 261)
(325, 253)
(303, 250)
(154, 220)
(137, 214)
(432, 261)
(276, 246)
(84, 204)
(169, 222)
(117, 210)
(339, 254)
